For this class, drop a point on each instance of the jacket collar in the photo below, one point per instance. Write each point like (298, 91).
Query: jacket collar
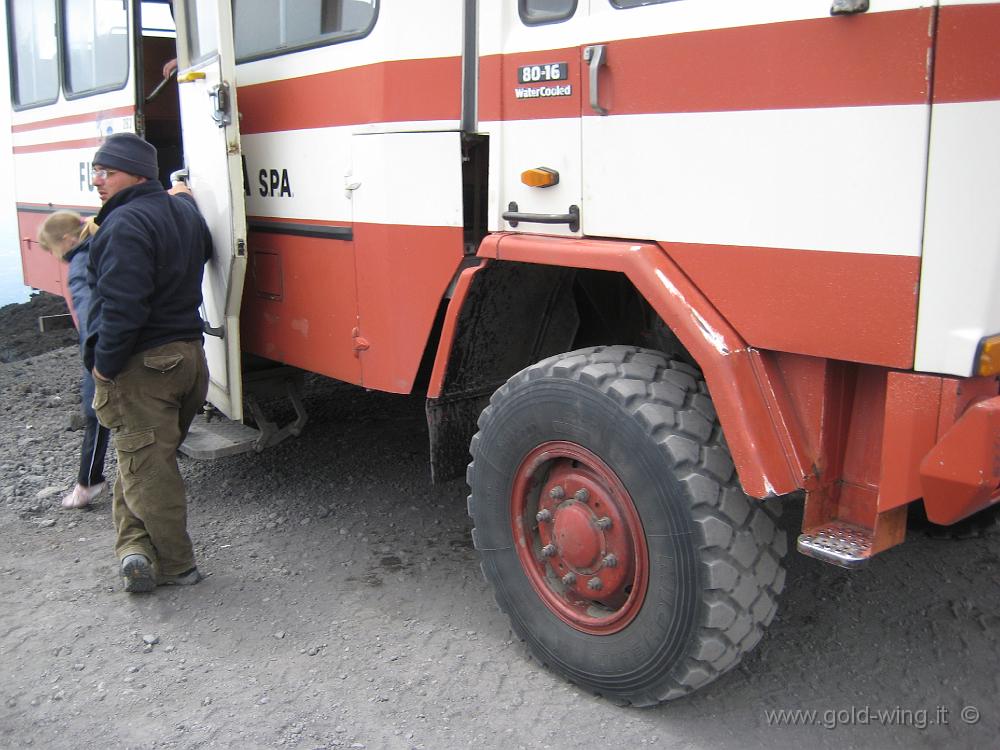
(128, 194)
(80, 248)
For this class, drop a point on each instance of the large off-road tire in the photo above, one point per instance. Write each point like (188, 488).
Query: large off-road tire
(611, 525)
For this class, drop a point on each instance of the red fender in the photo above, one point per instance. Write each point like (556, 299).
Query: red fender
(762, 446)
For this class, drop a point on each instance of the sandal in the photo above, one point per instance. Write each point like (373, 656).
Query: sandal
(82, 496)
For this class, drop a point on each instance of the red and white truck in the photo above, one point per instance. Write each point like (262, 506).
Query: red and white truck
(662, 262)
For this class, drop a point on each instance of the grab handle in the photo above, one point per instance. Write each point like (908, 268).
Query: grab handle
(514, 217)
(596, 55)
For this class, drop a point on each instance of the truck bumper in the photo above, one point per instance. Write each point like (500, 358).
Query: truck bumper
(961, 473)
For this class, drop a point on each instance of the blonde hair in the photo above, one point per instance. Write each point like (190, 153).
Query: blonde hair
(55, 229)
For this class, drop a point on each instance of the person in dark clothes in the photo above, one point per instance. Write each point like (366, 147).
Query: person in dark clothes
(145, 348)
(67, 236)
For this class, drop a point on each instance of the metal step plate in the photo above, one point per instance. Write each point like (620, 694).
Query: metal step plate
(838, 543)
(219, 438)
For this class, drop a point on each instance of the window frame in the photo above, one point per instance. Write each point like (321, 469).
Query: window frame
(313, 44)
(69, 95)
(527, 20)
(632, 4)
(186, 59)
(12, 69)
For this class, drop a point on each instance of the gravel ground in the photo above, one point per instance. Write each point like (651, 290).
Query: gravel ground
(344, 608)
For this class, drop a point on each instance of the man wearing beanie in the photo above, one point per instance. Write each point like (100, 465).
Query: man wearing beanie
(145, 350)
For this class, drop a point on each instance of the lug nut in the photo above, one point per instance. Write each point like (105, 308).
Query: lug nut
(582, 495)
(603, 523)
(544, 515)
(569, 579)
(594, 584)
(548, 550)
(611, 561)
(557, 493)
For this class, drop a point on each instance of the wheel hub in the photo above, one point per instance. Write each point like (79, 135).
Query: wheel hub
(579, 537)
(586, 540)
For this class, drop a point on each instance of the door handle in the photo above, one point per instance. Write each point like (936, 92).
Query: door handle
(220, 114)
(595, 55)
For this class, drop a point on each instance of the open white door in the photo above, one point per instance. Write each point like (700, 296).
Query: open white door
(210, 127)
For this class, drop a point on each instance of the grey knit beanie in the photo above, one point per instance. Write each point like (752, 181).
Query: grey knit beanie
(129, 153)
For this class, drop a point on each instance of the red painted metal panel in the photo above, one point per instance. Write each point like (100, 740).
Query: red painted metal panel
(311, 325)
(513, 108)
(856, 307)
(403, 273)
(58, 146)
(744, 68)
(863, 450)
(961, 475)
(731, 368)
(870, 60)
(384, 92)
(95, 116)
(911, 429)
(39, 269)
(967, 56)
(448, 330)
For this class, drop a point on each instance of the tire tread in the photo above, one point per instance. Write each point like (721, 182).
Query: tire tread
(740, 543)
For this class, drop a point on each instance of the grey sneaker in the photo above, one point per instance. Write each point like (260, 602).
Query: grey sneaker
(187, 578)
(137, 573)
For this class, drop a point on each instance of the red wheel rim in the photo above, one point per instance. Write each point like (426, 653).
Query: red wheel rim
(579, 538)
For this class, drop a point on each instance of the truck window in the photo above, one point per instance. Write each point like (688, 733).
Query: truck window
(35, 56)
(264, 28)
(96, 43)
(157, 20)
(202, 30)
(534, 12)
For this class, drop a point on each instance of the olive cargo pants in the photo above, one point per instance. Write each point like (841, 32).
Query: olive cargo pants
(149, 407)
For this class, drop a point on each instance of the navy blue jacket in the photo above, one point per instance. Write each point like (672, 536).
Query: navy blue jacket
(146, 267)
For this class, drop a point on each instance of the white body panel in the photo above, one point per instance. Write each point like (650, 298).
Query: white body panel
(960, 271)
(318, 162)
(47, 173)
(767, 178)
(86, 105)
(410, 179)
(401, 32)
(527, 144)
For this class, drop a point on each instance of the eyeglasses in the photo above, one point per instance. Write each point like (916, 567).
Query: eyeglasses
(102, 174)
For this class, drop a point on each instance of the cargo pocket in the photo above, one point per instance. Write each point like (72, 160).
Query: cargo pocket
(133, 450)
(162, 362)
(100, 395)
(104, 405)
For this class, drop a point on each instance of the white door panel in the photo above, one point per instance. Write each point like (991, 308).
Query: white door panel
(212, 154)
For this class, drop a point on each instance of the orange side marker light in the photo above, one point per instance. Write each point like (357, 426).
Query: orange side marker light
(988, 356)
(540, 177)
